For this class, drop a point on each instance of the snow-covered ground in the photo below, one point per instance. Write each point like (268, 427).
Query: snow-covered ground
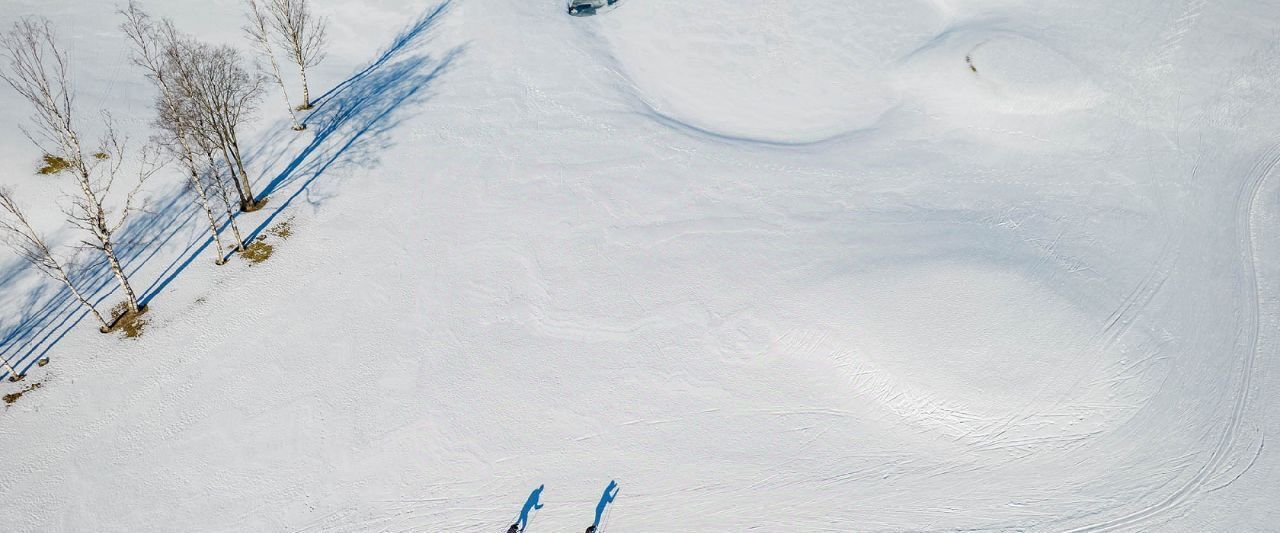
(773, 266)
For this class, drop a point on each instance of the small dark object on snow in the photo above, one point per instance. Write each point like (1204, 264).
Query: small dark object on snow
(515, 528)
(586, 8)
(591, 529)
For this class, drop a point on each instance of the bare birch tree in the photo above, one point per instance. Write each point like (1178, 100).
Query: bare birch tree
(175, 137)
(222, 93)
(149, 53)
(25, 241)
(260, 36)
(210, 84)
(154, 44)
(91, 212)
(218, 182)
(302, 35)
(37, 70)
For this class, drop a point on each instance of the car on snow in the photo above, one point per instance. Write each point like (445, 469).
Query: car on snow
(584, 8)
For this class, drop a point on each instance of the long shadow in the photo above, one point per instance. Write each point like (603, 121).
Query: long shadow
(365, 118)
(351, 124)
(49, 310)
(407, 38)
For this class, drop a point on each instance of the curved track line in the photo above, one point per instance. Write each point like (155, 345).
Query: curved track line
(1246, 198)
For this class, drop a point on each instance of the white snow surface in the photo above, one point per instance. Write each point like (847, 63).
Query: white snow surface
(772, 266)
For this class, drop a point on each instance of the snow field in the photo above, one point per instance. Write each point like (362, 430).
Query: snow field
(768, 267)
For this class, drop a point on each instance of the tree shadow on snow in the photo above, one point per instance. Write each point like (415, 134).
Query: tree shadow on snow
(350, 124)
(48, 311)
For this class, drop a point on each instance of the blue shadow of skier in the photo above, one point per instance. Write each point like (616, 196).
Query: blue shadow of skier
(610, 493)
(529, 505)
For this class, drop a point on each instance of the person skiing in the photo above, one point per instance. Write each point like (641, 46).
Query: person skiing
(529, 505)
(610, 492)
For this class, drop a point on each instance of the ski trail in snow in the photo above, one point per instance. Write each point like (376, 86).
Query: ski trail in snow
(1246, 200)
(1124, 316)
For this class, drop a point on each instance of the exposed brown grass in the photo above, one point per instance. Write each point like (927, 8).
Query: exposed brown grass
(52, 165)
(127, 321)
(282, 230)
(257, 252)
(13, 397)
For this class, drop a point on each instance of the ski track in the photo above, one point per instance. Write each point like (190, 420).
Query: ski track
(1115, 326)
(1247, 197)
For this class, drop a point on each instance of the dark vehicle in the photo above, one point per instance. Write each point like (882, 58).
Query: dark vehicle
(586, 8)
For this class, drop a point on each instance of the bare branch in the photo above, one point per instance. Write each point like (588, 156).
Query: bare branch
(301, 34)
(23, 239)
(38, 71)
(258, 34)
(221, 92)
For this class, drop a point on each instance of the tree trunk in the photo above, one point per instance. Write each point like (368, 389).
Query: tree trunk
(103, 326)
(253, 203)
(306, 91)
(101, 232)
(189, 159)
(208, 211)
(109, 251)
(226, 203)
(235, 229)
(245, 202)
(13, 372)
(275, 70)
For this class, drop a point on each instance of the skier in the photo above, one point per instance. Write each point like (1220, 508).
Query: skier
(529, 505)
(610, 492)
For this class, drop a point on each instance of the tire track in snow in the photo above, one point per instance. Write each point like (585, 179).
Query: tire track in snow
(1246, 198)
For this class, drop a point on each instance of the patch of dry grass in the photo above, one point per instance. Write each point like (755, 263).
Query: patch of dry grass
(260, 250)
(127, 321)
(257, 252)
(13, 397)
(53, 165)
(282, 230)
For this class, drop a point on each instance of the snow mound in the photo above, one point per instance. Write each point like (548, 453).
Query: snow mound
(1029, 77)
(977, 338)
(766, 70)
(978, 69)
